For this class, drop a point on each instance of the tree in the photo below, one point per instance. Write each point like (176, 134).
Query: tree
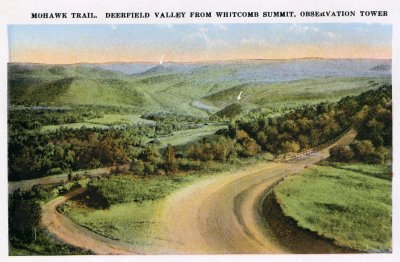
(290, 146)
(362, 149)
(137, 167)
(150, 154)
(24, 216)
(365, 151)
(250, 147)
(170, 160)
(241, 135)
(341, 153)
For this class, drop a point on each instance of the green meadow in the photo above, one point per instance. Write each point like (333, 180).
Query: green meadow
(351, 204)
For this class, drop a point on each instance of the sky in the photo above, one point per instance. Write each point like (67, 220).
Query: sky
(68, 44)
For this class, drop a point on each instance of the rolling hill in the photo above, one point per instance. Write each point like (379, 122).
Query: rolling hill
(195, 89)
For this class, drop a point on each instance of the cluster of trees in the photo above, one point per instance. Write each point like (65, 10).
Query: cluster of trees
(32, 155)
(371, 116)
(151, 162)
(24, 215)
(167, 122)
(303, 128)
(369, 113)
(360, 151)
(24, 119)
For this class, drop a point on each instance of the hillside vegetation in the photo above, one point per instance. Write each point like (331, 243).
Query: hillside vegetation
(173, 88)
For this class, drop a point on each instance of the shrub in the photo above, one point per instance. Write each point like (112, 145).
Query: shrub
(55, 171)
(137, 167)
(290, 146)
(249, 147)
(341, 153)
(366, 152)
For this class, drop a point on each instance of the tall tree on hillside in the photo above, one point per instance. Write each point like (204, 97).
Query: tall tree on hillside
(170, 160)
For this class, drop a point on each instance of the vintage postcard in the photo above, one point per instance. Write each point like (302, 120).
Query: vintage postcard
(254, 129)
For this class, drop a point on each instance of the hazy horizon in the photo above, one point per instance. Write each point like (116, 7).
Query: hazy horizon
(195, 43)
(201, 62)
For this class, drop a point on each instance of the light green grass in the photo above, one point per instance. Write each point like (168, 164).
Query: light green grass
(380, 171)
(136, 203)
(118, 119)
(189, 135)
(52, 128)
(131, 222)
(352, 208)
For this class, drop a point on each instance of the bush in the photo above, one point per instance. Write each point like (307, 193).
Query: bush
(249, 147)
(137, 167)
(365, 151)
(55, 171)
(290, 146)
(341, 153)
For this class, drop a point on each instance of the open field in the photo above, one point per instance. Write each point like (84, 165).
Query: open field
(350, 207)
(119, 119)
(189, 135)
(52, 128)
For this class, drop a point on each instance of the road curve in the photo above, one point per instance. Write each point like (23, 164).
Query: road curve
(66, 230)
(218, 216)
(215, 216)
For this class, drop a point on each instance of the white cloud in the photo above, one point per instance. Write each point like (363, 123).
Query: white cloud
(300, 29)
(222, 27)
(260, 42)
(331, 35)
(166, 25)
(201, 35)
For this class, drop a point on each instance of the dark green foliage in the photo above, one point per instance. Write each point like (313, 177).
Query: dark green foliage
(92, 198)
(310, 126)
(365, 151)
(24, 119)
(217, 148)
(24, 216)
(34, 155)
(230, 111)
(341, 153)
(43, 245)
(170, 163)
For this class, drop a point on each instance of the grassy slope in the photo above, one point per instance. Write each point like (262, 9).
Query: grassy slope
(284, 94)
(135, 203)
(116, 119)
(189, 135)
(350, 207)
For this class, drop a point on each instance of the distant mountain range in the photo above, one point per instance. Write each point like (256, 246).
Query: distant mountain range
(178, 87)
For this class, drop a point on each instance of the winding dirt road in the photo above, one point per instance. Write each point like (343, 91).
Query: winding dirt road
(216, 216)
(66, 230)
(222, 215)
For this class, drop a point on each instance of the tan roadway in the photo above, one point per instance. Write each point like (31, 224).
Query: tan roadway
(215, 216)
